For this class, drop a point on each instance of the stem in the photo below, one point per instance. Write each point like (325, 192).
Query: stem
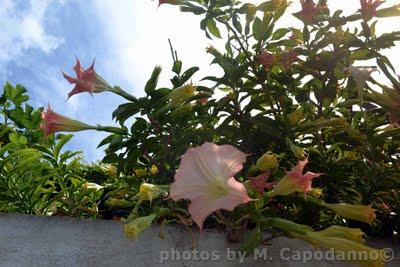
(117, 90)
(289, 226)
(109, 129)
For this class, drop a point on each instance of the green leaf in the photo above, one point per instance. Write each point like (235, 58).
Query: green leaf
(212, 28)
(152, 82)
(188, 74)
(252, 241)
(63, 139)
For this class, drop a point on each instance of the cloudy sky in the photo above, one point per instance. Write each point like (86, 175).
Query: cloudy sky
(39, 38)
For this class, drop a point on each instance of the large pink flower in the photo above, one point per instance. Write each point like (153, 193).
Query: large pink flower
(295, 181)
(86, 80)
(368, 8)
(205, 176)
(53, 122)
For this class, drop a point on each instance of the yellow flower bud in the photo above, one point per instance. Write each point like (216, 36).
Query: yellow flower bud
(351, 155)
(92, 186)
(138, 225)
(267, 161)
(109, 169)
(295, 116)
(153, 170)
(141, 172)
(346, 244)
(180, 95)
(316, 192)
(118, 203)
(112, 170)
(150, 191)
(355, 212)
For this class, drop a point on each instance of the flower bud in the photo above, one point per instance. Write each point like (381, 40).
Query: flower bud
(150, 191)
(138, 225)
(92, 186)
(141, 172)
(180, 95)
(316, 192)
(53, 122)
(268, 161)
(118, 203)
(355, 212)
(153, 170)
(295, 116)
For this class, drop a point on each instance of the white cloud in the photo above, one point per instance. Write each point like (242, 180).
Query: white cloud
(138, 33)
(22, 29)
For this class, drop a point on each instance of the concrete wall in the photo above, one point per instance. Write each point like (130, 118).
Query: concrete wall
(54, 241)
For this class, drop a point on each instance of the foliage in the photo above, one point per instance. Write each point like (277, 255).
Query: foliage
(306, 102)
(287, 96)
(36, 175)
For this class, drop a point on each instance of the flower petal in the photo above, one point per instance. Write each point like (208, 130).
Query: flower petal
(201, 207)
(205, 176)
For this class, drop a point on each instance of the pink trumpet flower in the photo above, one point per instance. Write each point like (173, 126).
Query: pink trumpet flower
(206, 177)
(266, 59)
(259, 183)
(368, 8)
(295, 181)
(53, 122)
(86, 80)
(309, 11)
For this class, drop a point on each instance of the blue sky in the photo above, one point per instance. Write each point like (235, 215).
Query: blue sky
(39, 38)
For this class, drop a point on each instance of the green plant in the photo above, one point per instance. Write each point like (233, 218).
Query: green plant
(290, 97)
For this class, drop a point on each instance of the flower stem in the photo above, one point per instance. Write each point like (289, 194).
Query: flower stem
(117, 90)
(289, 226)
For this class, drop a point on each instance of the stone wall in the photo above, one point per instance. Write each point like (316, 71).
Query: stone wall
(60, 241)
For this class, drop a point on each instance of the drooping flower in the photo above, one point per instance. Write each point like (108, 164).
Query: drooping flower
(368, 8)
(347, 244)
(259, 183)
(355, 212)
(53, 122)
(206, 177)
(86, 80)
(148, 192)
(92, 186)
(180, 95)
(295, 181)
(309, 12)
(268, 161)
(111, 170)
(360, 75)
(138, 225)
